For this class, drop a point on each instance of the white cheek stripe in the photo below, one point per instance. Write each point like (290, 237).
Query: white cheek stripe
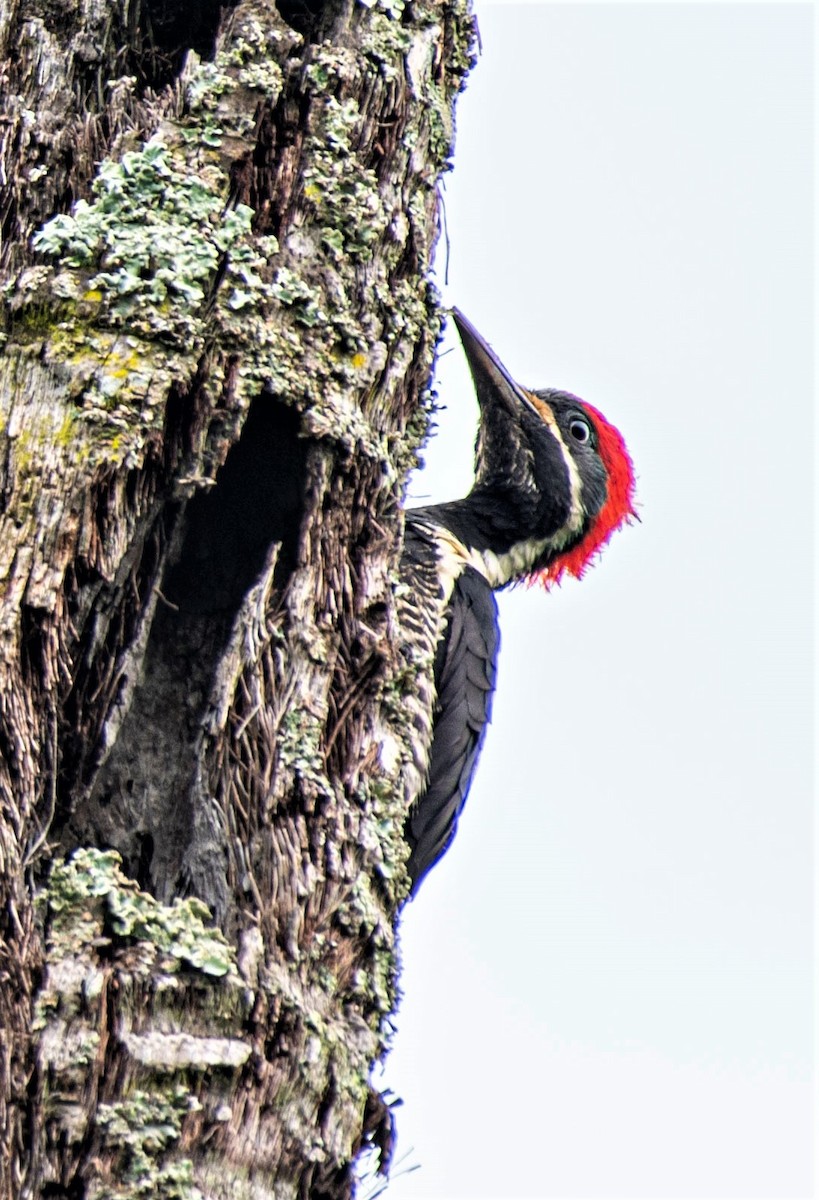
(577, 512)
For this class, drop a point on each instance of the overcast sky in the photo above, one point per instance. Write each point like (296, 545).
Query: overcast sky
(608, 979)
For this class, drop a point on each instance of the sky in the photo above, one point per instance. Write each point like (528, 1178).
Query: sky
(608, 979)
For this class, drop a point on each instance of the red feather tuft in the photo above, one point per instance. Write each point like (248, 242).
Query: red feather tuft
(618, 508)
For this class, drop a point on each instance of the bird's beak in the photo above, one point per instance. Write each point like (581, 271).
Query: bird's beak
(493, 382)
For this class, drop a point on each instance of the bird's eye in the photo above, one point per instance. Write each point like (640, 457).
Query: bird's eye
(580, 430)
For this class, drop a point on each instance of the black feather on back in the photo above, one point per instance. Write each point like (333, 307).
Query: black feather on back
(465, 680)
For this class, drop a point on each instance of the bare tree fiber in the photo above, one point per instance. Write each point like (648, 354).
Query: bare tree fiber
(218, 332)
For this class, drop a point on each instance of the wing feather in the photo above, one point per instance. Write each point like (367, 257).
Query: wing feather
(465, 681)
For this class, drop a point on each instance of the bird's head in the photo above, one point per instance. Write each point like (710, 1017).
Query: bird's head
(553, 459)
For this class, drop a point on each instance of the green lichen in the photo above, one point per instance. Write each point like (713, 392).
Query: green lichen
(263, 76)
(206, 84)
(328, 1050)
(154, 237)
(388, 40)
(344, 194)
(299, 747)
(293, 292)
(156, 256)
(462, 42)
(139, 1132)
(178, 930)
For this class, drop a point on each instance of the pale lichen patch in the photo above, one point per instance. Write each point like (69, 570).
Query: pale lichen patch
(136, 1136)
(91, 891)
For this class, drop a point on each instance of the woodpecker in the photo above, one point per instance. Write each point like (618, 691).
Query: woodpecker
(553, 481)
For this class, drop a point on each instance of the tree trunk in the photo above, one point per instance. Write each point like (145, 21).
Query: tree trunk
(213, 384)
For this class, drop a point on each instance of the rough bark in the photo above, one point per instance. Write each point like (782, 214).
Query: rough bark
(213, 381)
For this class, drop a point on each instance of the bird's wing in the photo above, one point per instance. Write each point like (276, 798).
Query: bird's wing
(465, 680)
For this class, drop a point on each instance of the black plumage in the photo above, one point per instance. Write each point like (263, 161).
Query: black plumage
(464, 683)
